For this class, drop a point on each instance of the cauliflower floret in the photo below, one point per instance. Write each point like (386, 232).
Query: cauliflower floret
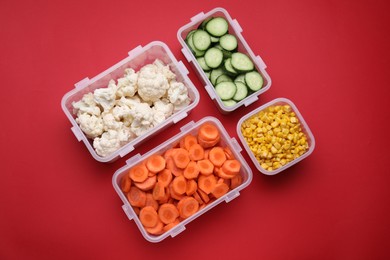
(152, 84)
(91, 125)
(109, 122)
(127, 86)
(163, 106)
(178, 95)
(107, 143)
(86, 105)
(129, 101)
(125, 135)
(164, 69)
(142, 118)
(106, 96)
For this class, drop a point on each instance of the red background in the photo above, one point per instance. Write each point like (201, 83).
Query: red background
(331, 58)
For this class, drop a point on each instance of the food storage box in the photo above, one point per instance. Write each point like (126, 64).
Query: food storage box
(190, 128)
(304, 127)
(136, 59)
(235, 29)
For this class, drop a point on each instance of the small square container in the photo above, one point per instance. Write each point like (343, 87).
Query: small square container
(234, 29)
(190, 128)
(305, 129)
(137, 58)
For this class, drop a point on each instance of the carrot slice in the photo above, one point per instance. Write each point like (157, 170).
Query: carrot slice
(206, 153)
(146, 185)
(191, 171)
(231, 167)
(192, 186)
(197, 197)
(170, 225)
(220, 190)
(207, 183)
(179, 184)
(155, 163)
(168, 213)
(188, 141)
(168, 153)
(204, 196)
(165, 177)
(150, 201)
(148, 216)
(207, 144)
(125, 183)
(174, 194)
(235, 181)
(228, 153)
(136, 197)
(224, 175)
(181, 158)
(208, 132)
(196, 152)
(139, 173)
(222, 180)
(173, 168)
(158, 229)
(205, 167)
(217, 156)
(187, 207)
(158, 191)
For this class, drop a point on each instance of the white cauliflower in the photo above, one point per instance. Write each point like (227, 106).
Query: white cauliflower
(91, 125)
(86, 105)
(107, 143)
(164, 69)
(178, 95)
(142, 118)
(109, 122)
(106, 96)
(127, 86)
(129, 101)
(122, 113)
(152, 84)
(164, 106)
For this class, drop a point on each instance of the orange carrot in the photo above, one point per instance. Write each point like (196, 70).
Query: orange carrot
(125, 183)
(205, 167)
(192, 186)
(187, 207)
(158, 191)
(226, 181)
(139, 173)
(150, 201)
(164, 177)
(196, 152)
(208, 132)
(158, 229)
(224, 175)
(173, 168)
(231, 167)
(155, 163)
(174, 194)
(204, 196)
(147, 184)
(188, 141)
(168, 153)
(217, 156)
(136, 210)
(228, 153)
(136, 197)
(207, 183)
(170, 225)
(207, 144)
(179, 184)
(181, 158)
(197, 197)
(191, 171)
(168, 213)
(206, 153)
(148, 216)
(235, 181)
(220, 190)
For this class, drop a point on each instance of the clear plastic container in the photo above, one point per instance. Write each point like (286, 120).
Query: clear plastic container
(305, 129)
(190, 128)
(136, 59)
(235, 29)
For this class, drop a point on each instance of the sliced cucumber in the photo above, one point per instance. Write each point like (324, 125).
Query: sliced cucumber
(215, 73)
(254, 80)
(201, 40)
(226, 54)
(223, 78)
(242, 91)
(229, 103)
(214, 39)
(207, 73)
(228, 42)
(241, 62)
(194, 50)
(227, 65)
(226, 90)
(213, 57)
(203, 24)
(240, 78)
(203, 64)
(217, 26)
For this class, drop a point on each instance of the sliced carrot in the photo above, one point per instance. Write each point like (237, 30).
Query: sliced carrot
(150, 201)
(155, 163)
(139, 173)
(181, 158)
(174, 194)
(206, 153)
(125, 183)
(151, 174)
(220, 190)
(207, 183)
(205, 167)
(136, 197)
(222, 180)
(136, 210)
(173, 168)
(188, 141)
(168, 153)
(191, 171)
(196, 152)
(158, 191)
(217, 156)
(204, 196)
(231, 167)
(197, 197)
(187, 207)
(192, 186)
(147, 184)
(170, 225)
(168, 213)
(235, 181)
(224, 175)
(179, 184)
(164, 177)
(148, 216)
(207, 144)
(201, 206)
(229, 154)
(158, 229)
(208, 132)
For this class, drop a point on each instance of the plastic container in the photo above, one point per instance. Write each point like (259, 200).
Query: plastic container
(305, 129)
(235, 29)
(136, 59)
(190, 128)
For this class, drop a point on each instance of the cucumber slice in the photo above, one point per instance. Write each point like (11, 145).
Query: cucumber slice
(254, 80)
(226, 54)
(228, 42)
(229, 103)
(203, 24)
(214, 39)
(213, 57)
(227, 65)
(201, 40)
(242, 91)
(203, 64)
(190, 33)
(207, 73)
(240, 78)
(215, 73)
(226, 90)
(217, 26)
(223, 78)
(241, 62)
(194, 50)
